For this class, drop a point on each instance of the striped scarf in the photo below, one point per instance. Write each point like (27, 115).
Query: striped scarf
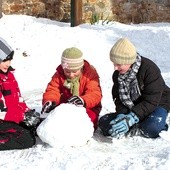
(128, 85)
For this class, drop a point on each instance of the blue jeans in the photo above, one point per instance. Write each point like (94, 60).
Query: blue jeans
(154, 123)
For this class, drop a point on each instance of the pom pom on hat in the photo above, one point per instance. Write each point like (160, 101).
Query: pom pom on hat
(123, 52)
(72, 59)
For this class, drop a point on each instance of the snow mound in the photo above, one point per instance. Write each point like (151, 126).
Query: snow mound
(165, 135)
(67, 125)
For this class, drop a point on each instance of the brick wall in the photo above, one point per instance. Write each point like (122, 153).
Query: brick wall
(141, 11)
(125, 11)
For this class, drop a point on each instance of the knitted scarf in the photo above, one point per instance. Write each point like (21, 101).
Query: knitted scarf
(128, 85)
(73, 85)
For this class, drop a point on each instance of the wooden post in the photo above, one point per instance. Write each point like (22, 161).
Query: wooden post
(0, 8)
(76, 12)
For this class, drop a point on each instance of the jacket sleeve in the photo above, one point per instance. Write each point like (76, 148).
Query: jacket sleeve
(151, 93)
(1, 101)
(91, 90)
(52, 92)
(120, 108)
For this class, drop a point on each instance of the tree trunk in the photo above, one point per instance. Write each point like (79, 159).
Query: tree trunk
(0, 8)
(76, 12)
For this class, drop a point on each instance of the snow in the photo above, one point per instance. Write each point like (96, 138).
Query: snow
(38, 45)
(66, 125)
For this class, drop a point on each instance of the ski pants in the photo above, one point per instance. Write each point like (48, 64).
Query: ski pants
(13, 136)
(94, 117)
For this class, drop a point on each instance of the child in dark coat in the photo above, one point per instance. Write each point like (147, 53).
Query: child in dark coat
(141, 97)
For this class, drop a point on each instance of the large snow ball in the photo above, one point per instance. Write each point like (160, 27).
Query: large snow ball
(67, 125)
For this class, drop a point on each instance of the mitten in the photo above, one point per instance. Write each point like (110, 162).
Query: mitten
(48, 106)
(32, 118)
(78, 101)
(122, 123)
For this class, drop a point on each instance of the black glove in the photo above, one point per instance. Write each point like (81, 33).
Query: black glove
(48, 106)
(78, 101)
(32, 118)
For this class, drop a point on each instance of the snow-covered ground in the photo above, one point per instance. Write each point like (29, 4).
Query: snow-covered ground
(38, 45)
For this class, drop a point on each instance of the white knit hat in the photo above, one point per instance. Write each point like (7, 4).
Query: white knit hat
(123, 52)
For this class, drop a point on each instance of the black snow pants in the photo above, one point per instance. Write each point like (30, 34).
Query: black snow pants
(14, 136)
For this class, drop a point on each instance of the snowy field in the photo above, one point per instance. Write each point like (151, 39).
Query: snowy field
(38, 45)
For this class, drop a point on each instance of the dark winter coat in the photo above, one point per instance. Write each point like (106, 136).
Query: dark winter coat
(89, 90)
(154, 91)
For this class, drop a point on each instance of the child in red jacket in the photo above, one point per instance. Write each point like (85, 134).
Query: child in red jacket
(16, 118)
(75, 81)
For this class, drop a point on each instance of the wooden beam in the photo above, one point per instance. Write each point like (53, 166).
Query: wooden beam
(0, 8)
(76, 12)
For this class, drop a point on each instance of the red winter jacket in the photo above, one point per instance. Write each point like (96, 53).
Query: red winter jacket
(89, 90)
(12, 106)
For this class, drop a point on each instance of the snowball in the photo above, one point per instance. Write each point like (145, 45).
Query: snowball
(67, 125)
